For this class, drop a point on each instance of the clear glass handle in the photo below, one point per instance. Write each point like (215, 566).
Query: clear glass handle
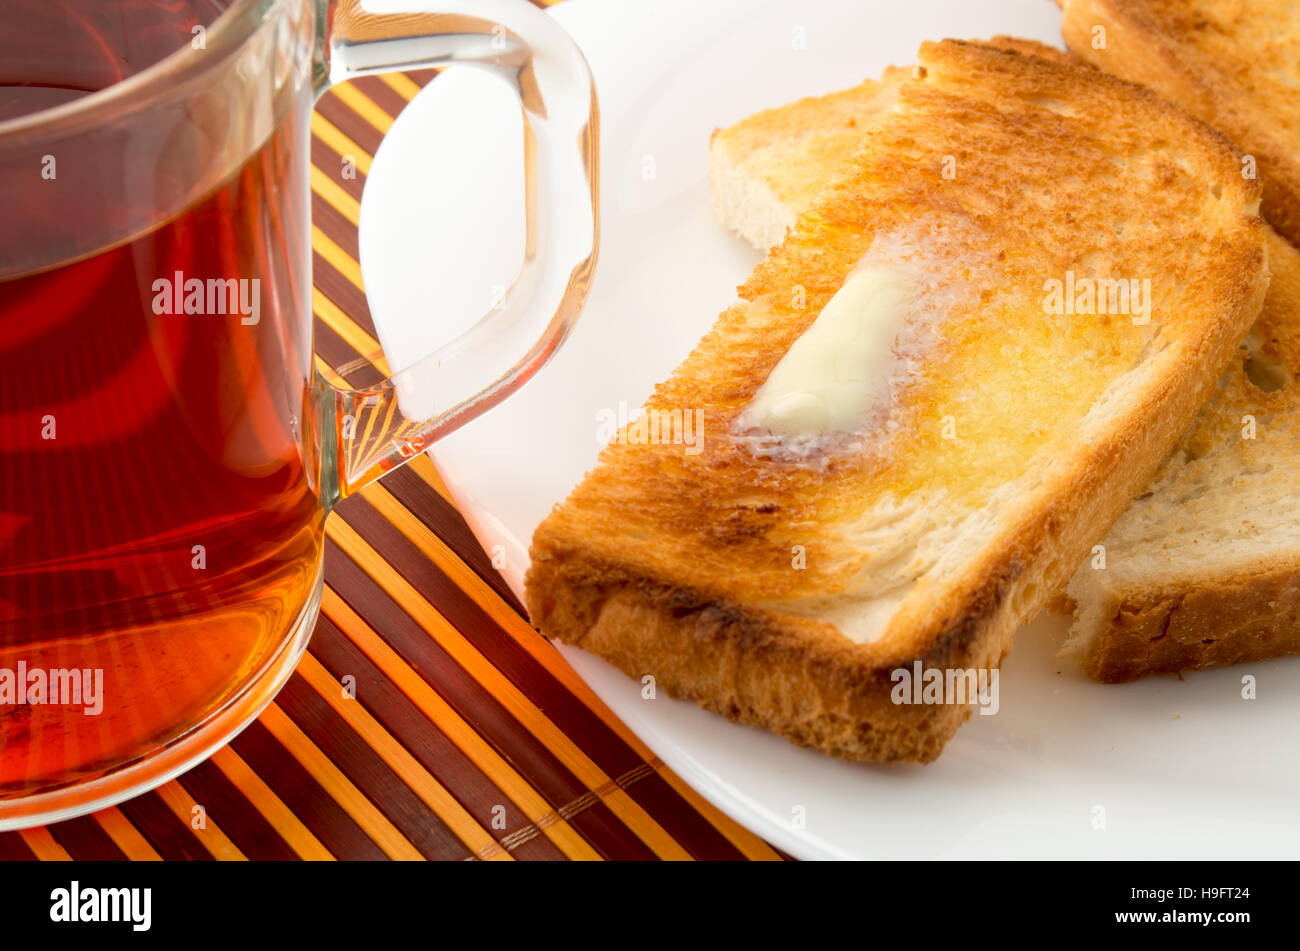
(377, 429)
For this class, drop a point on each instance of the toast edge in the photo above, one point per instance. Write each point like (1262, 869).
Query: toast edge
(1122, 636)
(1137, 52)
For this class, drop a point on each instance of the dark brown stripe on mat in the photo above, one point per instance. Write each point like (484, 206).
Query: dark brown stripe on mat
(238, 818)
(424, 741)
(381, 94)
(14, 849)
(441, 517)
(316, 809)
(349, 123)
(421, 77)
(363, 766)
(85, 839)
(543, 771)
(611, 838)
(533, 846)
(331, 165)
(695, 833)
(339, 229)
(570, 714)
(335, 351)
(342, 292)
(170, 837)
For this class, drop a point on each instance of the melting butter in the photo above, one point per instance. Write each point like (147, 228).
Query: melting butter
(838, 367)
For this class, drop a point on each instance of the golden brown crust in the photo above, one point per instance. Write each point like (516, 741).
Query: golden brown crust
(783, 137)
(1217, 623)
(797, 677)
(781, 158)
(661, 561)
(1230, 64)
(1222, 613)
(1019, 44)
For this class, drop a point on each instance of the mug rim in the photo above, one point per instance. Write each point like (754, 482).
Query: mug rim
(156, 81)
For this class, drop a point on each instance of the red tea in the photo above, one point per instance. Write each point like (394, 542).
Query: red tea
(158, 515)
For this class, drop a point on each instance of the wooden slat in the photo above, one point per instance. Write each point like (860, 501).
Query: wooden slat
(329, 249)
(208, 832)
(248, 828)
(127, 837)
(423, 467)
(363, 106)
(454, 727)
(281, 817)
(332, 136)
(504, 691)
(341, 789)
(44, 846)
(85, 840)
(365, 345)
(13, 848)
(402, 84)
(402, 762)
(432, 547)
(333, 193)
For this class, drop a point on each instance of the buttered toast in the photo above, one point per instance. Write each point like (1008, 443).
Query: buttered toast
(1202, 568)
(832, 528)
(766, 169)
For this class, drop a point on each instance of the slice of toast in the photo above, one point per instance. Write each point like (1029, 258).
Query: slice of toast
(768, 168)
(1233, 64)
(1201, 570)
(793, 582)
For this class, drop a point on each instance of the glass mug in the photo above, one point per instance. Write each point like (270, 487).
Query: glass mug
(168, 452)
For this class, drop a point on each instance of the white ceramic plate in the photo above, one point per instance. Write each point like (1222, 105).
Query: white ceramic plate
(1067, 768)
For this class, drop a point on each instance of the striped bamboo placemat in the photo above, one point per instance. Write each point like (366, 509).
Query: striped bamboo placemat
(470, 737)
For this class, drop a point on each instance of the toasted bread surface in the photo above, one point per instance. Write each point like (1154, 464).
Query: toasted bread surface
(769, 167)
(1010, 440)
(1233, 64)
(752, 192)
(1203, 569)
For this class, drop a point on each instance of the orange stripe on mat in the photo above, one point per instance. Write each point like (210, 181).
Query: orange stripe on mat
(403, 85)
(406, 766)
(423, 466)
(343, 262)
(126, 836)
(209, 833)
(465, 578)
(43, 845)
(353, 801)
(334, 194)
(328, 133)
(507, 694)
(363, 105)
(272, 807)
(352, 334)
(330, 375)
(429, 702)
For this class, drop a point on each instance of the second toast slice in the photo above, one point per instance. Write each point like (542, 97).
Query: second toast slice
(784, 577)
